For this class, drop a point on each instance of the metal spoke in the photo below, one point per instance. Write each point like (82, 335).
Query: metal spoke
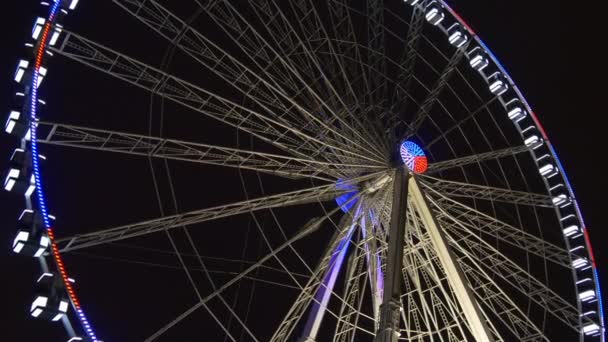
(466, 190)
(375, 41)
(184, 93)
(134, 144)
(408, 61)
(305, 231)
(251, 83)
(311, 195)
(470, 308)
(500, 265)
(476, 158)
(483, 224)
(434, 94)
(497, 301)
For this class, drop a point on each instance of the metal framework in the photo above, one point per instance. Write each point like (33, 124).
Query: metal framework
(485, 247)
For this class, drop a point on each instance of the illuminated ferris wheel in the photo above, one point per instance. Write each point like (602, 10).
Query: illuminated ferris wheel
(395, 183)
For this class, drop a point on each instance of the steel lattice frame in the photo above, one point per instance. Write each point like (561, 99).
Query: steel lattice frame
(330, 104)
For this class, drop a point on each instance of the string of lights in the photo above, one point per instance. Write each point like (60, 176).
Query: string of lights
(40, 53)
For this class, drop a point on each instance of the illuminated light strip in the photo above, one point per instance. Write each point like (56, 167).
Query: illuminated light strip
(39, 192)
(598, 287)
(553, 152)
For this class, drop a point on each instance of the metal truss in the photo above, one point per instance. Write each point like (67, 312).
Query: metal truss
(501, 266)
(451, 212)
(408, 62)
(134, 144)
(455, 277)
(158, 82)
(265, 92)
(474, 191)
(311, 195)
(375, 42)
(476, 158)
(355, 284)
(498, 303)
(286, 329)
(433, 95)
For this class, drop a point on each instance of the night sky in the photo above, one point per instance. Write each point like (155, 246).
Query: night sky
(550, 59)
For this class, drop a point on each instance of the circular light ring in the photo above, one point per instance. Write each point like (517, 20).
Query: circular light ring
(40, 53)
(413, 157)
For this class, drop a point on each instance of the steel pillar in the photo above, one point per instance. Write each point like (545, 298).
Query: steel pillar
(388, 330)
(456, 278)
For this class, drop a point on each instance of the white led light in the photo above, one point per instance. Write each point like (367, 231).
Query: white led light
(57, 317)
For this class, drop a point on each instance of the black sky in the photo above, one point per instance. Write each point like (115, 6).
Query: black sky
(547, 46)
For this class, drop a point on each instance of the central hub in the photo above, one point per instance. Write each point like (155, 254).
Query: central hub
(413, 157)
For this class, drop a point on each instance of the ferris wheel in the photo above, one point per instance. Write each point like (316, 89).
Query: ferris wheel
(392, 183)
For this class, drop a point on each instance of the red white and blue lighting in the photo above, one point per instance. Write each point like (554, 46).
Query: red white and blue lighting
(413, 157)
(50, 23)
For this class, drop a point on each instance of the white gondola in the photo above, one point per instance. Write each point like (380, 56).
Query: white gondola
(546, 166)
(478, 59)
(532, 138)
(31, 239)
(457, 35)
(50, 302)
(580, 263)
(591, 329)
(571, 230)
(38, 27)
(587, 296)
(561, 200)
(516, 110)
(434, 13)
(498, 83)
